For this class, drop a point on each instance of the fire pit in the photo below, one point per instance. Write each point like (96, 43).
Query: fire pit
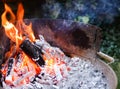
(62, 55)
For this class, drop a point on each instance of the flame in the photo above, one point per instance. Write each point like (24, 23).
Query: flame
(27, 30)
(7, 10)
(20, 12)
(17, 33)
(10, 30)
(24, 66)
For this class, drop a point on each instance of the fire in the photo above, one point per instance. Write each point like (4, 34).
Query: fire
(20, 12)
(22, 66)
(27, 30)
(10, 30)
(18, 33)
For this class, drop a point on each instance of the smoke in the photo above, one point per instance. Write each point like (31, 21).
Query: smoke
(97, 10)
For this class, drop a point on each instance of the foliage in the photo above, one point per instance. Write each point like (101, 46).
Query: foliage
(84, 19)
(111, 41)
(111, 44)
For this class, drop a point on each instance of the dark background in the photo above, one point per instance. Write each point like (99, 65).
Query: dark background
(102, 13)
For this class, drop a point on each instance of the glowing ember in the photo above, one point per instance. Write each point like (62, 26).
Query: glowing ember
(21, 71)
(59, 72)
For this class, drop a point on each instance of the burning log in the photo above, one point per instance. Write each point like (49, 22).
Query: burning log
(32, 51)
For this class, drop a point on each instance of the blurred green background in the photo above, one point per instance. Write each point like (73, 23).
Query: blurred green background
(102, 13)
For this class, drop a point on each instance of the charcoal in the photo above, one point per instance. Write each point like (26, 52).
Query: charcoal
(40, 61)
(10, 64)
(1, 79)
(32, 51)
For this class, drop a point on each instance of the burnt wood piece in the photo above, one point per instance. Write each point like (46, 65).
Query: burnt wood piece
(32, 51)
(4, 45)
(10, 65)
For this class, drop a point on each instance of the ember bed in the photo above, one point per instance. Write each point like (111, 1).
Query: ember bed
(76, 41)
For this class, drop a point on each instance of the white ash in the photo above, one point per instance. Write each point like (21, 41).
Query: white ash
(83, 75)
(64, 73)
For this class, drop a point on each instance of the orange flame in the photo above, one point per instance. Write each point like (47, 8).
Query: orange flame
(7, 10)
(27, 30)
(17, 33)
(10, 30)
(20, 12)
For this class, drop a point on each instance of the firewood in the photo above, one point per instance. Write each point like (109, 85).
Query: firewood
(10, 65)
(32, 51)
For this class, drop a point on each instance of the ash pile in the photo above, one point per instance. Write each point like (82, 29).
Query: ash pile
(57, 71)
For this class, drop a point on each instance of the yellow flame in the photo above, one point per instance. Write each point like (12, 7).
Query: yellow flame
(17, 33)
(8, 10)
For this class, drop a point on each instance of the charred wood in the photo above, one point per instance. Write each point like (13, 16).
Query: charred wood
(10, 65)
(32, 51)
